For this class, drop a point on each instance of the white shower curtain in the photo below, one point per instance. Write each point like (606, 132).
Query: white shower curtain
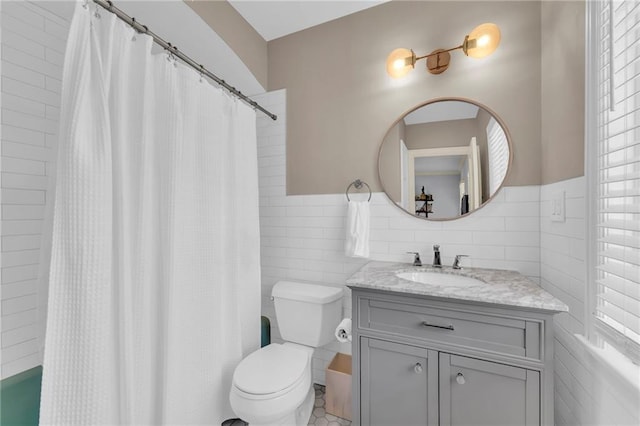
(154, 290)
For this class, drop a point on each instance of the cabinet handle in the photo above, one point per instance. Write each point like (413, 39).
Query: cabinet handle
(460, 379)
(417, 368)
(446, 327)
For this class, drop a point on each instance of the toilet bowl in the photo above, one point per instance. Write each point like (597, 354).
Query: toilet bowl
(273, 385)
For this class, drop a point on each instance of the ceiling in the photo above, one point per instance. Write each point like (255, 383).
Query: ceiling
(274, 19)
(442, 111)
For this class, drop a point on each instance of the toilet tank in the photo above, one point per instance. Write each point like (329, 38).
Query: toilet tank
(307, 314)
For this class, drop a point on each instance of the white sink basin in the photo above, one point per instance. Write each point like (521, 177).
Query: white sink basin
(439, 279)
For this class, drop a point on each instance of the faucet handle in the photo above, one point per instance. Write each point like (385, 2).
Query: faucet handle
(456, 261)
(416, 258)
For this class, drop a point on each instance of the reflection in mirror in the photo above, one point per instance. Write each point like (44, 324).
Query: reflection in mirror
(444, 159)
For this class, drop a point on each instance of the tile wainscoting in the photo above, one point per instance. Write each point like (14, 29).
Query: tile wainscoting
(585, 394)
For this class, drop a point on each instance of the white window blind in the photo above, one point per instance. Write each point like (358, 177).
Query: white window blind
(498, 155)
(615, 81)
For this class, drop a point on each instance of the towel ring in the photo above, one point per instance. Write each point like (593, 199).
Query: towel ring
(358, 184)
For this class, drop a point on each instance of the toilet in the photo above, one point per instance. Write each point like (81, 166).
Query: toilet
(273, 385)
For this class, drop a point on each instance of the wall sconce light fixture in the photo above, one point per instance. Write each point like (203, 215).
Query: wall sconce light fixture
(480, 42)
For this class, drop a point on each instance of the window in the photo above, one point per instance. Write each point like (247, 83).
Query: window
(613, 170)
(498, 155)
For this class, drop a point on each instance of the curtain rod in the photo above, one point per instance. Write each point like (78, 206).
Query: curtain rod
(173, 50)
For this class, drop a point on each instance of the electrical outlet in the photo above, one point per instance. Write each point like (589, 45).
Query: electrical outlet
(557, 207)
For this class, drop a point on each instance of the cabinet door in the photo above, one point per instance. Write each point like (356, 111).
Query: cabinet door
(399, 384)
(476, 392)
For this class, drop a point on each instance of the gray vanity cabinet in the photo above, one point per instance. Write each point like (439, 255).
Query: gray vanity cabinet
(476, 392)
(420, 361)
(394, 377)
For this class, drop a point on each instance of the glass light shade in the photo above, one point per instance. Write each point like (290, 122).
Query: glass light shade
(400, 62)
(482, 41)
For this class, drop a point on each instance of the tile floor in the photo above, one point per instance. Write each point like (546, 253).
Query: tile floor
(320, 417)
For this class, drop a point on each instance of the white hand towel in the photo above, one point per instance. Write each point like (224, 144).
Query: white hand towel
(343, 331)
(357, 238)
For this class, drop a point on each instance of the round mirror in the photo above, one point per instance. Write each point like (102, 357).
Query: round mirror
(444, 159)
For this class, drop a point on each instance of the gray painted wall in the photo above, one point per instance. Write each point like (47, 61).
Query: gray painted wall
(563, 86)
(538, 91)
(341, 101)
(245, 41)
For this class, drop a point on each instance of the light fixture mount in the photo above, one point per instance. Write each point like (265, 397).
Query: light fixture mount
(480, 42)
(438, 61)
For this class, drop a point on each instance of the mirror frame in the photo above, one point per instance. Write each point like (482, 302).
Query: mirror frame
(458, 99)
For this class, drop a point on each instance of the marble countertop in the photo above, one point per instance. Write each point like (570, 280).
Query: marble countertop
(501, 287)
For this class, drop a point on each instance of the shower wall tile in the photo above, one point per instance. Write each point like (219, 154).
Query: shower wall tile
(15, 212)
(302, 237)
(22, 350)
(22, 74)
(24, 318)
(16, 56)
(12, 274)
(24, 181)
(23, 150)
(17, 165)
(16, 305)
(22, 257)
(16, 196)
(11, 368)
(35, 93)
(22, 288)
(24, 14)
(33, 43)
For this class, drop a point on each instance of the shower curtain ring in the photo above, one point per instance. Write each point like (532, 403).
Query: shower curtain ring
(133, 25)
(85, 4)
(169, 52)
(175, 57)
(201, 73)
(96, 13)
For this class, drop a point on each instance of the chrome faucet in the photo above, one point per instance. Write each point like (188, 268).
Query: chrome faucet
(437, 263)
(416, 258)
(456, 261)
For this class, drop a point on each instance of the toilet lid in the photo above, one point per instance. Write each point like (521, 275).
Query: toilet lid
(270, 369)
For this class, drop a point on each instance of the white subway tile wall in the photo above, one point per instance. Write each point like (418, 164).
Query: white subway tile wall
(33, 43)
(302, 237)
(562, 270)
(562, 251)
(582, 394)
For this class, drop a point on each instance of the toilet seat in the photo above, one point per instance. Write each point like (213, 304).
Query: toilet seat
(271, 371)
(270, 383)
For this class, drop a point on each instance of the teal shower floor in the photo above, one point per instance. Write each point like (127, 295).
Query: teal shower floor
(20, 398)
